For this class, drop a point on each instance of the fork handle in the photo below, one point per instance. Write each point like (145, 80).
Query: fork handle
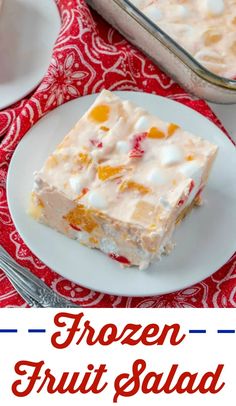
(28, 299)
(31, 285)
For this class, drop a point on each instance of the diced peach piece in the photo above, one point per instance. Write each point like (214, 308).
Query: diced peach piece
(109, 172)
(104, 128)
(233, 47)
(172, 128)
(84, 158)
(154, 132)
(82, 217)
(131, 185)
(212, 36)
(52, 162)
(100, 113)
(93, 240)
(36, 206)
(144, 212)
(218, 59)
(189, 158)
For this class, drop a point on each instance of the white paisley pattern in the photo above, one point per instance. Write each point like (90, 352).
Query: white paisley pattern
(62, 82)
(88, 56)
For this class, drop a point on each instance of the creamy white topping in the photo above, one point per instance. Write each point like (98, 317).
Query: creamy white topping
(109, 180)
(154, 13)
(96, 154)
(123, 147)
(215, 7)
(190, 169)
(171, 155)
(164, 202)
(182, 11)
(108, 246)
(157, 177)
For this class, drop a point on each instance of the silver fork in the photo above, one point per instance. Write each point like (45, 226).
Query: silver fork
(32, 289)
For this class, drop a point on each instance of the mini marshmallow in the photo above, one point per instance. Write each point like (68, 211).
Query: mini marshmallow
(76, 184)
(164, 202)
(190, 169)
(153, 13)
(215, 7)
(97, 154)
(157, 177)
(171, 155)
(67, 166)
(142, 124)
(182, 11)
(193, 171)
(97, 200)
(123, 147)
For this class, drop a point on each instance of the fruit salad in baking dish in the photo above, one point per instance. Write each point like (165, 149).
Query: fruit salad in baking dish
(205, 28)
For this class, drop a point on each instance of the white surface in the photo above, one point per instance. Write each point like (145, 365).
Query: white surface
(193, 353)
(28, 31)
(205, 240)
(227, 115)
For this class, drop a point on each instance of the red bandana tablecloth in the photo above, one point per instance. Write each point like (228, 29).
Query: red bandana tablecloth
(88, 56)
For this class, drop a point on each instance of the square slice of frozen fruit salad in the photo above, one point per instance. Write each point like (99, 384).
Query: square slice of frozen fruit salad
(121, 180)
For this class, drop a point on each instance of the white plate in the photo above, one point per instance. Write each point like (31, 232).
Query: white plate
(28, 31)
(205, 240)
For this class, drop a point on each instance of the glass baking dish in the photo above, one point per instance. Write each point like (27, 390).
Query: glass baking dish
(164, 51)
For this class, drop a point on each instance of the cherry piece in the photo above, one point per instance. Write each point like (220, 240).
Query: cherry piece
(137, 151)
(75, 227)
(120, 259)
